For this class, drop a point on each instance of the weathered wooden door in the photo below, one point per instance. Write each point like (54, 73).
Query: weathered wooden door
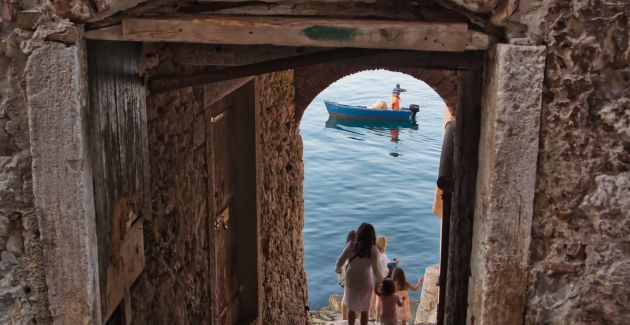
(230, 123)
(118, 139)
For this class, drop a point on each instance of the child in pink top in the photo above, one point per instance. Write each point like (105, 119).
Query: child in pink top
(398, 275)
(389, 300)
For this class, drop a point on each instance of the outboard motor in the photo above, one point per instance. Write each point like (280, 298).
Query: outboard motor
(414, 108)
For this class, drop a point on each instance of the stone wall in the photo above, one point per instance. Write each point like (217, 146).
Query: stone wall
(580, 251)
(281, 173)
(24, 296)
(175, 287)
(508, 149)
(23, 292)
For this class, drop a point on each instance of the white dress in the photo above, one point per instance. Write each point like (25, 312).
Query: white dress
(359, 287)
(383, 260)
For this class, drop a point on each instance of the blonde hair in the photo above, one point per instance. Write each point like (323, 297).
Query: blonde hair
(381, 243)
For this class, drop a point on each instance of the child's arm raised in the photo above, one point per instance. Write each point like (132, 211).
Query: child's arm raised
(417, 286)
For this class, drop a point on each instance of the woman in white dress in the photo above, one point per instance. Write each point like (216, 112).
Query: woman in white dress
(363, 261)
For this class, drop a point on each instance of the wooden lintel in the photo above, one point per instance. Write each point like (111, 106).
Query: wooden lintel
(163, 84)
(417, 60)
(199, 55)
(478, 40)
(109, 33)
(234, 55)
(290, 31)
(113, 7)
(361, 57)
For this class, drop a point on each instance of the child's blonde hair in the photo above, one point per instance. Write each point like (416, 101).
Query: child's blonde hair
(381, 243)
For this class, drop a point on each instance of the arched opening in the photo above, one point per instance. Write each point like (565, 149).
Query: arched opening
(365, 171)
(222, 214)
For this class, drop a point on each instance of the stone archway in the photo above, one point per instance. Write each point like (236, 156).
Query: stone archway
(310, 81)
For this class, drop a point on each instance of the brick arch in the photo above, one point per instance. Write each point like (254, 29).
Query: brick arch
(310, 81)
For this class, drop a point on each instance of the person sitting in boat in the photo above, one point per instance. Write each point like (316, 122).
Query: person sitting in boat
(396, 97)
(379, 104)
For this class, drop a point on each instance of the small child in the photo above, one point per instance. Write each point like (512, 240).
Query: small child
(383, 261)
(342, 280)
(398, 275)
(389, 300)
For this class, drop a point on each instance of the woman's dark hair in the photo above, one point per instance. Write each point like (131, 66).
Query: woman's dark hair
(399, 278)
(388, 288)
(365, 239)
(352, 235)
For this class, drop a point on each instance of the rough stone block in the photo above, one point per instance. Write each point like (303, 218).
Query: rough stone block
(427, 309)
(508, 152)
(62, 181)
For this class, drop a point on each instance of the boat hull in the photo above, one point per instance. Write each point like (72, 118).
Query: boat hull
(363, 113)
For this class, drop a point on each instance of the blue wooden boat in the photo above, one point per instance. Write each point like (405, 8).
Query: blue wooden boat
(367, 114)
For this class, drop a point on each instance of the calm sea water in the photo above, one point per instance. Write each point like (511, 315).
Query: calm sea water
(366, 173)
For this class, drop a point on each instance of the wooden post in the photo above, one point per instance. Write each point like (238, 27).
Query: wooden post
(463, 205)
(446, 225)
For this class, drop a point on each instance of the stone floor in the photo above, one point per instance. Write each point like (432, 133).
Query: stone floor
(331, 315)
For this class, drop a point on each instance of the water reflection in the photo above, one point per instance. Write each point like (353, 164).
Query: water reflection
(389, 129)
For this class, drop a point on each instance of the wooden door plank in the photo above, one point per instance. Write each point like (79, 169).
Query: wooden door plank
(127, 269)
(380, 34)
(118, 134)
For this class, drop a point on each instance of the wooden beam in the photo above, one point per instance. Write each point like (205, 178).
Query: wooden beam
(109, 33)
(291, 1)
(416, 59)
(362, 57)
(163, 84)
(477, 19)
(106, 8)
(230, 55)
(478, 40)
(218, 90)
(378, 34)
(337, 9)
(234, 55)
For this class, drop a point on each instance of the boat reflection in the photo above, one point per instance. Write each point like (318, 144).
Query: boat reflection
(390, 128)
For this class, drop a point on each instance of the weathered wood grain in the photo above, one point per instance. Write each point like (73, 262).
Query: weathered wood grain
(117, 123)
(356, 57)
(233, 55)
(465, 162)
(379, 34)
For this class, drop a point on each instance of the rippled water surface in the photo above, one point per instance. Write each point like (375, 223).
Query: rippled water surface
(381, 174)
